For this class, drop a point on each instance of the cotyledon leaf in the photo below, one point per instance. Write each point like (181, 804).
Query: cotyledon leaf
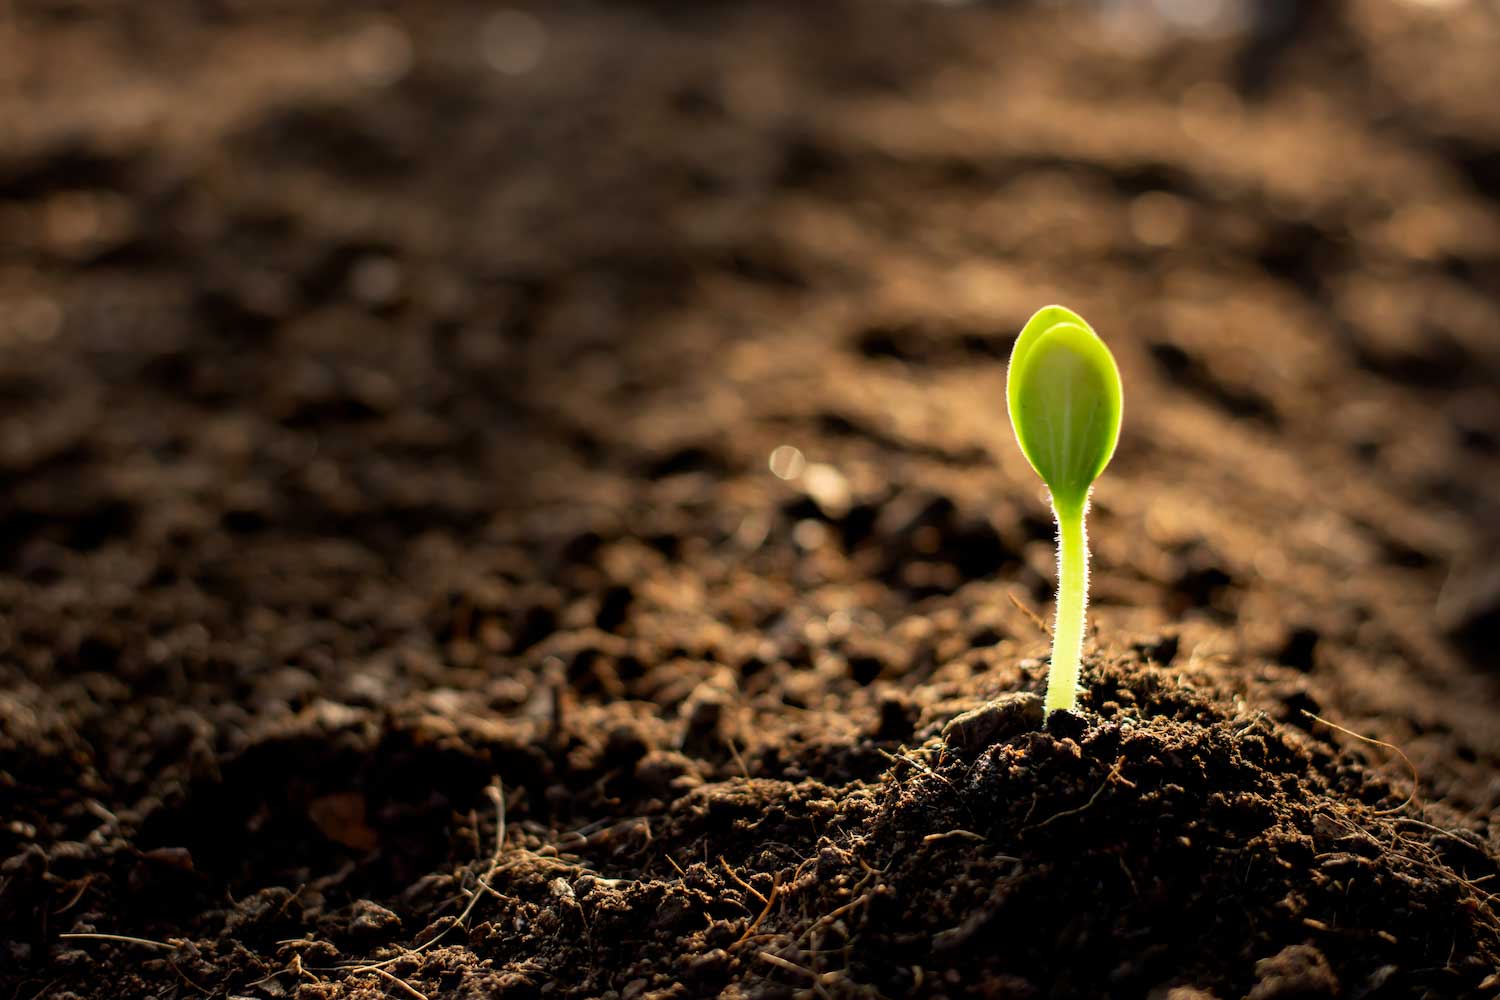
(1041, 321)
(1064, 396)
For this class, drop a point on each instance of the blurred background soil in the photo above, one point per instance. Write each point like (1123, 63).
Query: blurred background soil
(503, 501)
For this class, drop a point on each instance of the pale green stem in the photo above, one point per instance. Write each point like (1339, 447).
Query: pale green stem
(1072, 598)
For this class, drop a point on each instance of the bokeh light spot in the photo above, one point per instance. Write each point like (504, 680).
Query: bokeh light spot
(513, 42)
(787, 462)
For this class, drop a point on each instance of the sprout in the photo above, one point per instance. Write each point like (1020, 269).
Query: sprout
(1063, 391)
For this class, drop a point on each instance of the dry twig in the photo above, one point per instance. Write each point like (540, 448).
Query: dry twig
(122, 939)
(1114, 774)
(1415, 777)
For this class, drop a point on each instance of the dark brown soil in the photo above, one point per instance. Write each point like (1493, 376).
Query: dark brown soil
(395, 600)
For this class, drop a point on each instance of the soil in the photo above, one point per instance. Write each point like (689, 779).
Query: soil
(521, 504)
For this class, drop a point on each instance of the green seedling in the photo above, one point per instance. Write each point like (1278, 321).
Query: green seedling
(1063, 391)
